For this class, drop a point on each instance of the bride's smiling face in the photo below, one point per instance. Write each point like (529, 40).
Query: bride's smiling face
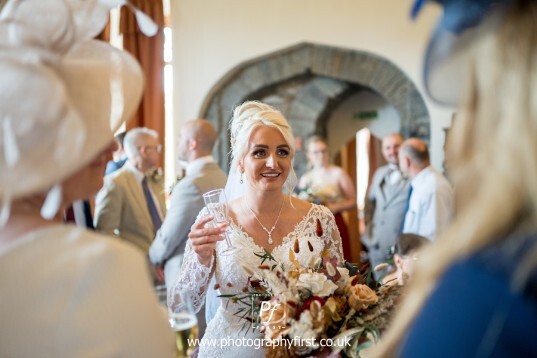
(267, 162)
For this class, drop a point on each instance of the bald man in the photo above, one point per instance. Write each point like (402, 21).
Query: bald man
(431, 203)
(195, 144)
(385, 205)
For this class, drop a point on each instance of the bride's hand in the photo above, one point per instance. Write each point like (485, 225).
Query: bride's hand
(203, 240)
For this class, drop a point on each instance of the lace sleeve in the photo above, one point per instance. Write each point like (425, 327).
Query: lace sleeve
(193, 278)
(331, 236)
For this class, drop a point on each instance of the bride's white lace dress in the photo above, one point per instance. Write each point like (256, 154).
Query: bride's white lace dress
(224, 332)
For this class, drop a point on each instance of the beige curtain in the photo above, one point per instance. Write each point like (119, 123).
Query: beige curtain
(150, 53)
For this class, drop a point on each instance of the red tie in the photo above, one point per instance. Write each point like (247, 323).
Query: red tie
(69, 215)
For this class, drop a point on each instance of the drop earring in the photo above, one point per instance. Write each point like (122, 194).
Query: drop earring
(241, 178)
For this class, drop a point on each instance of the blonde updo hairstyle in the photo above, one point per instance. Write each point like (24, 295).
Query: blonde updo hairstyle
(249, 116)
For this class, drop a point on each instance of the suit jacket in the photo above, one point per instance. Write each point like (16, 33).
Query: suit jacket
(185, 204)
(121, 208)
(384, 211)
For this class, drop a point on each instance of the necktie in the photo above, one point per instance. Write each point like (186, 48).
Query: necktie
(87, 214)
(406, 209)
(153, 211)
(69, 216)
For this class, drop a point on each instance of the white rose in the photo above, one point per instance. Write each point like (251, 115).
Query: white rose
(303, 334)
(317, 283)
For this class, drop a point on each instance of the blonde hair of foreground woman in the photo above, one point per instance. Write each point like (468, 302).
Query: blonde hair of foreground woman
(493, 156)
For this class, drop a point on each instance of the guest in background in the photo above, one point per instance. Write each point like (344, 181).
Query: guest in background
(131, 204)
(480, 278)
(66, 291)
(385, 205)
(119, 156)
(431, 202)
(195, 145)
(405, 254)
(330, 185)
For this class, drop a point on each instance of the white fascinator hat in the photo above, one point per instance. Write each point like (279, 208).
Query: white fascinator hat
(62, 94)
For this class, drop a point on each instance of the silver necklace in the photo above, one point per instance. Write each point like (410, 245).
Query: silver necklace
(269, 232)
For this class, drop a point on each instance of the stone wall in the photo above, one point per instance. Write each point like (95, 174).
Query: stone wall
(306, 82)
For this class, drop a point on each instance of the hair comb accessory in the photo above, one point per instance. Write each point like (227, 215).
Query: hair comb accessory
(234, 134)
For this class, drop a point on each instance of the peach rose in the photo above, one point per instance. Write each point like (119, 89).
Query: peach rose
(361, 297)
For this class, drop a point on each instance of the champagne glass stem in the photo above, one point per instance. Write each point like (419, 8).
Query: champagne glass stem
(228, 240)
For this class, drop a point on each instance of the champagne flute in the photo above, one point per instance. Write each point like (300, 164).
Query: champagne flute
(184, 322)
(162, 295)
(216, 203)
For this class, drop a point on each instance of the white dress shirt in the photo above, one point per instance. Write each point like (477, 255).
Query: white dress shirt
(394, 174)
(431, 204)
(80, 215)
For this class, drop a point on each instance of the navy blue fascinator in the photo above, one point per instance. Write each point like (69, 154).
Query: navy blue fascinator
(447, 64)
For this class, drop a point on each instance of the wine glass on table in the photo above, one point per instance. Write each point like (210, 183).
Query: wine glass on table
(216, 203)
(183, 321)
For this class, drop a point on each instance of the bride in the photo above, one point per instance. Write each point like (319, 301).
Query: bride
(262, 217)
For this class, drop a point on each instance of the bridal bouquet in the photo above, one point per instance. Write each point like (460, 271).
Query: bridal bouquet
(304, 311)
(307, 194)
(318, 194)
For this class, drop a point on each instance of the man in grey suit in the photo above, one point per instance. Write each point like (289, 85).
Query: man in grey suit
(195, 145)
(385, 204)
(131, 203)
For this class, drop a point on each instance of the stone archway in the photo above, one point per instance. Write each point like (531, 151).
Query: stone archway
(341, 67)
